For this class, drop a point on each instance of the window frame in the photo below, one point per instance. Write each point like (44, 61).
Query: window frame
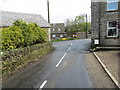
(108, 2)
(112, 28)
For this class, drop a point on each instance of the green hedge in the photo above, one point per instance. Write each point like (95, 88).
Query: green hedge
(22, 34)
(14, 59)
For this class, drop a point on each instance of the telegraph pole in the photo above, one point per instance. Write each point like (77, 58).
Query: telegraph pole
(48, 11)
(49, 36)
(86, 27)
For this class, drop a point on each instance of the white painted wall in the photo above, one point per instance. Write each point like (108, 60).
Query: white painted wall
(49, 35)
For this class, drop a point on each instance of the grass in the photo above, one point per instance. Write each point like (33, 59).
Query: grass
(57, 40)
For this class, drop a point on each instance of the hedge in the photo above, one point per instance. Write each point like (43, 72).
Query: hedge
(22, 34)
(14, 59)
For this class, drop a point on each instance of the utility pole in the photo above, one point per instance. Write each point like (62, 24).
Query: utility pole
(48, 11)
(49, 32)
(86, 27)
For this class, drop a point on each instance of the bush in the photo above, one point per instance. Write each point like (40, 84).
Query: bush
(22, 34)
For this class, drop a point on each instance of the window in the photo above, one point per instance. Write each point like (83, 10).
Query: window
(53, 36)
(112, 29)
(53, 29)
(112, 5)
(61, 35)
(59, 29)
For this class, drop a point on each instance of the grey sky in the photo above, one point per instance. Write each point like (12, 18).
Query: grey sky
(59, 9)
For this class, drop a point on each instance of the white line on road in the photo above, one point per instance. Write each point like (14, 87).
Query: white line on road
(43, 84)
(70, 46)
(61, 60)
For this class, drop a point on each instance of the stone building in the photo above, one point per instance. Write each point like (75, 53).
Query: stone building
(57, 30)
(105, 22)
(8, 18)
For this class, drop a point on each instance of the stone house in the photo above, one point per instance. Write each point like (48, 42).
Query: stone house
(105, 22)
(57, 30)
(8, 18)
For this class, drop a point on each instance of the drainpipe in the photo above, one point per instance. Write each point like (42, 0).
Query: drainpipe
(119, 21)
(99, 23)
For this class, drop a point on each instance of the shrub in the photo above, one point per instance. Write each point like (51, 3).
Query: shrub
(11, 38)
(22, 34)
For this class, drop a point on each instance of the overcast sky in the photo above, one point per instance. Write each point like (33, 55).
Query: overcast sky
(59, 9)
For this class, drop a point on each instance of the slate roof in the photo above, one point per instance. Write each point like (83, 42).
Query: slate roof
(8, 18)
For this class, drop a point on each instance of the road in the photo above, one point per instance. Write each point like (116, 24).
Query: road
(70, 71)
(63, 68)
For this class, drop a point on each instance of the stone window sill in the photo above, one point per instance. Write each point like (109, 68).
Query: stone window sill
(111, 37)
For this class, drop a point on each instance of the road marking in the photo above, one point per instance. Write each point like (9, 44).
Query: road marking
(69, 48)
(61, 60)
(43, 84)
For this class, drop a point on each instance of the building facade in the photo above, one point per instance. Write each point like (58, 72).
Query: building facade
(57, 30)
(8, 18)
(105, 22)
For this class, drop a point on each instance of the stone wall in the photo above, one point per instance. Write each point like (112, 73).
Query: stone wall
(95, 19)
(94, 22)
(119, 22)
(15, 59)
(82, 35)
(107, 16)
(100, 16)
(0, 38)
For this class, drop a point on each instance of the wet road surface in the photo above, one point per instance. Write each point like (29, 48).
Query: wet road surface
(63, 68)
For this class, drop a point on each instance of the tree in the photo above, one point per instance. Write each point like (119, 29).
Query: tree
(77, 25)
(79, 19)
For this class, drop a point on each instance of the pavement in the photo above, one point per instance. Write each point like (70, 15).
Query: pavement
(111, 61)
(66, 67)
(98, 76)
